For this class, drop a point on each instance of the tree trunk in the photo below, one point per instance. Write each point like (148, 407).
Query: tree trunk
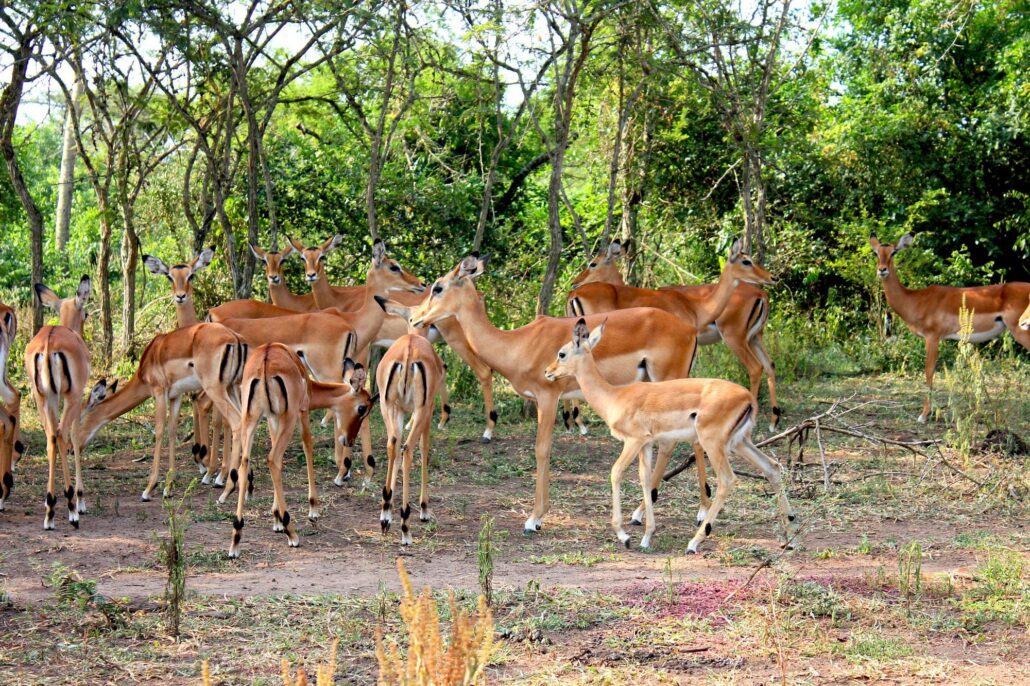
(374, 170)
(104, 277)
(130, 262)
(66, 181)
(9, 102)
(554, 201)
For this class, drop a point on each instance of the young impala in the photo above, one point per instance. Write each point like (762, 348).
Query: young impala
(411, 375)
(57, 366)
(718, 414)
(642, 343)
(10, 405)
(733, 309)
(276, 385)
(933, 312)
(202, 357)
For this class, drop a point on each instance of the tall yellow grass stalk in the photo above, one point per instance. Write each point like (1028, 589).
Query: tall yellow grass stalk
(324, 677)
(428, 662)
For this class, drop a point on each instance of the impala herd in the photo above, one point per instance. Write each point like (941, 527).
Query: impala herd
(626, 351)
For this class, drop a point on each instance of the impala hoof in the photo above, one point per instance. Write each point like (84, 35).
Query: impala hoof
(485, 440)
(145, 497)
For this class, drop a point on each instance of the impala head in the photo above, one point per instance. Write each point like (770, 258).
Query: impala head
(72, 310)
(100, 392)
(449, 292)
(572, 353)
(273, 260)
(180, 275)
(885, 253)
(315, 256)
(1024, 319)
(743, 267)
(603, 267)
(357, 403)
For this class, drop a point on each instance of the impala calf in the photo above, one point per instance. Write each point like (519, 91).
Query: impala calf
(642, 343)
(410, 375)
(276, 385)
(717, 414)
(57, 366)
(933, 312)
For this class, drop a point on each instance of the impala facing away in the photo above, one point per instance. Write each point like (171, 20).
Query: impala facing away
(733, 309)
(642, 343)
(933, 312)
(276, 385)
(10, 405)
(718, 414)
(202, 357)
(414, 375)
(57, 366)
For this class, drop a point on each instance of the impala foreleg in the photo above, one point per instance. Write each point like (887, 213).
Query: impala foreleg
(309, 463)
(160, 419)
(630, 449)
(173, 426)
(445, 402)
(343, 454)
(932, 348)
(661, 463)
(545, 412)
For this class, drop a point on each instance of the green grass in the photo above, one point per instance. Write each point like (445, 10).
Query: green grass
(874, 647)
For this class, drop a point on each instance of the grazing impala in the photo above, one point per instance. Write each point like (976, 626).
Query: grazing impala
(642, 343)
(351, 297)
(276, 385)
(933, 312)
(10, 405)
(733, 310)
(414, 375)
(202, 357)
(57, 365)
(718, 414)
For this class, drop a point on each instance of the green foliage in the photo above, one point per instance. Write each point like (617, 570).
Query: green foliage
(485, 558)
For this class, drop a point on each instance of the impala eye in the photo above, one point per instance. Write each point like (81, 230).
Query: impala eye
(321, 258)
(190, 277)
(561, 356)
(437, 290)
(593, 265)
(395, 268)
(746, 263)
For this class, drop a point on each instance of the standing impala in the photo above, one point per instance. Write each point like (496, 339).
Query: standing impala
(718, 414)
(933, 312)
(642, 343)
(57, 365)
(733, 310)
(276, 385)
(10, 405)
(410, 375)
(351, 297)
(280, 293)
(202, 357)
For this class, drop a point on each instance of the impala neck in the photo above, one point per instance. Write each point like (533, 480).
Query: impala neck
(322, 291)
(186, 313)
(488, 342)
(369, 319)
(897, 295)
(282, 296)
(326, 395)
(131, 396)
(598, 393)
(709, 309)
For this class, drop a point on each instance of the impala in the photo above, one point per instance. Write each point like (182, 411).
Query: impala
(280, 293)
(414, 375)
(717, 414)
(10, 405)
(733, 309)
(1024, 319)
(57, 366)
(933, 312)
(642, 343)
(351, 297)
(180, 276)
(276, 385)
(202, 357)
(322, 340)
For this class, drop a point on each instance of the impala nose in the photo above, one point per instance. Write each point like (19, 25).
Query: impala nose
(180, 299)
(882, 273)
(311, 277)
(274, 280)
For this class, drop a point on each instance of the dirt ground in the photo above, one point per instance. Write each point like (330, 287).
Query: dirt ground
(571, 606)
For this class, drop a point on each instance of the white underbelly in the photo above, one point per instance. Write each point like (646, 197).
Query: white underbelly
(684, 434)
(980, 336)
(189, 384)
(576, 394)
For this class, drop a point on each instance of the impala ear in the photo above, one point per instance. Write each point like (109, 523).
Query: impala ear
(155, 265)
(874, 241)
(114, 387)
(904, 242)
(357, 378)
(287, 250)
(259, 253)
(615, 250)
(395, 308)
(202, 260)
(378, 253)
(332, 243)
(580, 333)
(473, 266)
(83, 292)
(595, 335)
(735, 250)
(47, 296)
(297, 245)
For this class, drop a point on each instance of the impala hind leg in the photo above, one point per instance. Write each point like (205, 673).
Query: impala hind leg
(282, 430)
(423, 500)
(727, 483)
(6, 456)
(546, 407)
(630, 449)
(393, 420)
(160, 418)
(644, 468)
(771, 471)
(48, 416)
(932, 349)
(757, 346)
(173, 426)
(421, 419)
(248, 427)
(69, 424)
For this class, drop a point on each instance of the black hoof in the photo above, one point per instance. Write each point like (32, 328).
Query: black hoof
(636, 522)
(484, 440)
(75, 524)
(627, 544)
(385, 526)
